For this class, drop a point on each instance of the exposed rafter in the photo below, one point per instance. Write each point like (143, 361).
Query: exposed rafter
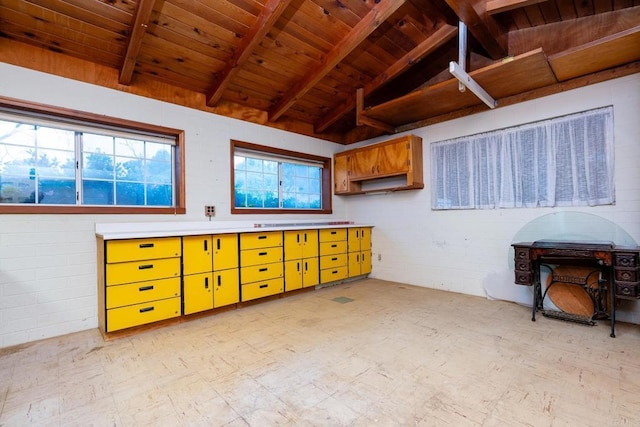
(138, 30)
(484, 28)
(437, 39)
(266, 19)
(499, 6)
(378, 14)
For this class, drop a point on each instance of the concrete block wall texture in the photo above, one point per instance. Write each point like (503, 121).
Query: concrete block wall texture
(47, 262)
(48, 278)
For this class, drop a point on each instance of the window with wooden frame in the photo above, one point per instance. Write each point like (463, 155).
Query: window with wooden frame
(272, 180)
(54, 160)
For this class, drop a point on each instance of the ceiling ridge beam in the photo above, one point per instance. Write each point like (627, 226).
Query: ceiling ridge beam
(367, 25)
(491, 36)
(137, 32)
(431, 43)
(267, 18)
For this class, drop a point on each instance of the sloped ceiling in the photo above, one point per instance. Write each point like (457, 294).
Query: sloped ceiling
(297, 64)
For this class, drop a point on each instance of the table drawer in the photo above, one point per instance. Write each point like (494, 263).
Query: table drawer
(142, 249)
(140, 271)
(334, 274)
(333, 234)
(523, 278)
(626, 274)
(330, 248)
(626, 260)
(258, 273)
(260, 256)
(260, 240)
(136, 293)
(140, 314)
(333, 261)
(629, 290)
(262, 289)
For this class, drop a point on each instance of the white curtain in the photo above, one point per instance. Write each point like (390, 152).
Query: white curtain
(566, 161)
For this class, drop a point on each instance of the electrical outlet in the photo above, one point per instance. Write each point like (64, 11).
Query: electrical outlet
(379, 257)
(209, 211)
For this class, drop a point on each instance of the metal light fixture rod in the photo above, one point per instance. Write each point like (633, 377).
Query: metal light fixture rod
(471, 84)
(462, 50)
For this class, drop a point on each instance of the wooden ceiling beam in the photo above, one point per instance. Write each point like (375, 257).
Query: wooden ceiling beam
(499, 6)
(367, 25)
(137, 32)
(431, 43)
(270, 13)
(484, 28)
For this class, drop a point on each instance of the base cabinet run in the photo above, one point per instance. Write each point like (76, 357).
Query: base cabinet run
(146, 280)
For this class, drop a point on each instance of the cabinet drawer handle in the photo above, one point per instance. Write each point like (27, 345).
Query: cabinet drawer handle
(264, 286)
(333, 232)
(264, 269)
(334, 246)
(334, 272)
(146, 309)
(146, 245)
(145, 266)
(334, 259)
(262, 237)
(262, 253)
(145, 288)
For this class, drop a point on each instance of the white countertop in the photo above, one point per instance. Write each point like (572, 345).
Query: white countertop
(136, 230)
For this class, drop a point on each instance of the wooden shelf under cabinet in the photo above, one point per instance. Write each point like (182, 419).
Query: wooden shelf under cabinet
(394, 165)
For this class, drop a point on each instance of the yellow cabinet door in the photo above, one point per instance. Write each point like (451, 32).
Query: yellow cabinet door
(197, 254)
(293, 275)
(309, 243)
(359, 263)
(136, 293)
(141, 249)
(260, 240)
(197, 293)
(300, 244)
(225, 251)
(359, 239)
(140, 314)
(333, 234)
(260, 256)
(293, 245)
(365, 262)
(310, 272)
(140, 271)
(226, 289)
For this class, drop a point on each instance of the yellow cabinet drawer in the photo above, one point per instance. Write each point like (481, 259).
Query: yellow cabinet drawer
(262, 289)
(140, 249)
(260, 240)
(136, 293)
(332, 261)
(260, 256)
(330, 248)
(333, 234)
(140, 271)
(140, 314)
(333, 274)
(257, 273)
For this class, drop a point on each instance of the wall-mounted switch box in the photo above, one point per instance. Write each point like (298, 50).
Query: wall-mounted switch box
(209, 211)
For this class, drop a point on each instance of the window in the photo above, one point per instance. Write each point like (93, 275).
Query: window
(62, 162)
(566, 161)
(270, 180)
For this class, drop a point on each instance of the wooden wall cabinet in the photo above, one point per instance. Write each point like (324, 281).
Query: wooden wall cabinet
(396, 158)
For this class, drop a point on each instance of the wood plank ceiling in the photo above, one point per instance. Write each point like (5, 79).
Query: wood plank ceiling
(297, 64)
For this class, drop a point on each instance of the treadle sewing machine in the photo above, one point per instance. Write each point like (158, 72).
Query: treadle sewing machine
(614, 273)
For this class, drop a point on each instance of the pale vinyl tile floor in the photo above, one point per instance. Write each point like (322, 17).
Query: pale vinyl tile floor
(396, 355)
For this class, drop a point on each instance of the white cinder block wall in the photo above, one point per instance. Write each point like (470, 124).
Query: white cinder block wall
(47, 262)
(469, 251)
